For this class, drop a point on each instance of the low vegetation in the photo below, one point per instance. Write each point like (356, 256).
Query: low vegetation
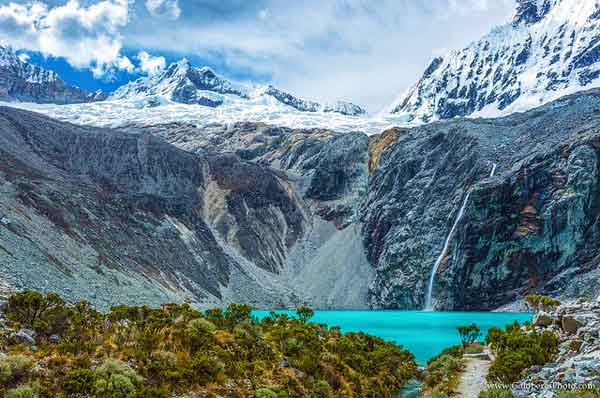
(177, 351)
(539, 302)
(516, 349)
(497, 393)
(442, 375)
(580, 393)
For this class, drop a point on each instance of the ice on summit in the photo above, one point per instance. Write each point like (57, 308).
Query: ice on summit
(183, 83)
(551, 48)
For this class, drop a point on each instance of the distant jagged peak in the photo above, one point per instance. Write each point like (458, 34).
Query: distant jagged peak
(181, 82)
(25, 82)
(33, 73)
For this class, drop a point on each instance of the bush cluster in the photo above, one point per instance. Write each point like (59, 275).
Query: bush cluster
(178, 351)
(538, 302)
(517, 350)
(442, 374)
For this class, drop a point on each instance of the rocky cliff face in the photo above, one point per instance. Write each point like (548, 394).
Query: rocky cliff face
(107, 215)
(531, 227)
(123, 216)
(21, 81)
(548, 50)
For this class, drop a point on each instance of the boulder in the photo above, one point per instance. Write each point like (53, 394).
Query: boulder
(543, 319)
(23, 337)
(570, 325)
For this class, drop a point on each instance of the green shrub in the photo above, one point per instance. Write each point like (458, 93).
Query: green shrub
(469, 334)
(442, 373)
(474, 349)
(322, 389)
(496, 393)
(437, 394)
(456, 351)
(15, 368)
(199, 333)
(515, 351)
(152, 392)
(115, 379)
(581, 393)
(204, 369)
(538, 302)
(31, 390)
(265, 393)
(79, 381)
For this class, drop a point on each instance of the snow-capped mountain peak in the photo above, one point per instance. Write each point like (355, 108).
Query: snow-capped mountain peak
(551, 48)
(22, 81)
(183, 83)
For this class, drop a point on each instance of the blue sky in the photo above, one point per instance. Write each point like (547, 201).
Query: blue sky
(363, 51)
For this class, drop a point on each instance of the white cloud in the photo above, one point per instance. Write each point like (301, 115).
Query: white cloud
(85, 36)
(150, 64)
(358, 50)
(164, 8)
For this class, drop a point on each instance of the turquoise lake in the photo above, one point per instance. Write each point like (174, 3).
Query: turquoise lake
(424, 334)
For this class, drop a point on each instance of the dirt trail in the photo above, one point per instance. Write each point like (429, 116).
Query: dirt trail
(472, 381)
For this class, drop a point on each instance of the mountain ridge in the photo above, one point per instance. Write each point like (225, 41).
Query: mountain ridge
(22, 81)
(183, 83)
(548, 50)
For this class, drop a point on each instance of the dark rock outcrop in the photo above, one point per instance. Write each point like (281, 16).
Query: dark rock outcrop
(328, 169)
(533, 227)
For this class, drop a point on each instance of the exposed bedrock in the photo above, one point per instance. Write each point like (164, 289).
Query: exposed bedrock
(277, 217)
(533, 227)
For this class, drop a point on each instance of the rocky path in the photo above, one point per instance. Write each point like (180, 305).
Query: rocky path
(472, 381)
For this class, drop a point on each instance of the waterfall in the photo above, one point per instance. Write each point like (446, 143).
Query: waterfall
(459, 216)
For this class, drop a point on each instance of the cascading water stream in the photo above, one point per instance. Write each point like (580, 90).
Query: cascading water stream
(459, 216)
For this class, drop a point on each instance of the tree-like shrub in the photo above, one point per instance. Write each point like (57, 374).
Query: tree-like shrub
(538, 302)
(44, 314)
(304, 313)
(469, 334)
